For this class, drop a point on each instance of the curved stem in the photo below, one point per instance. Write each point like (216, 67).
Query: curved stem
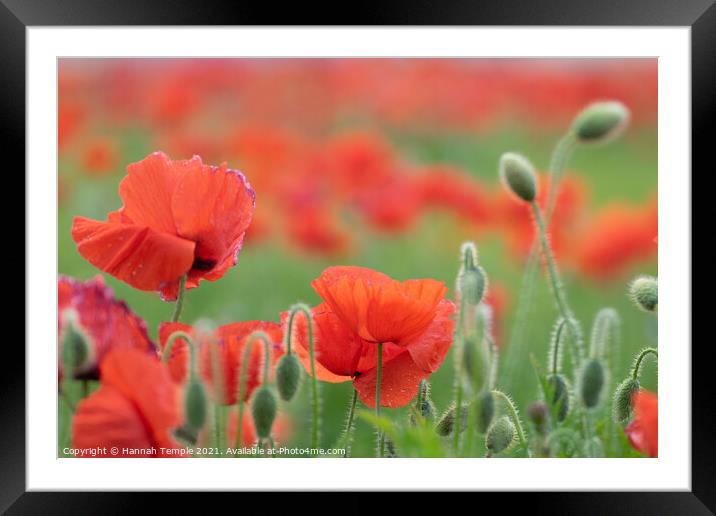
(312, 357)
(180, 299)
(560, 156)
(192, 350)
(257, 335)
(515, 418)
(640, 358)
(378, 381)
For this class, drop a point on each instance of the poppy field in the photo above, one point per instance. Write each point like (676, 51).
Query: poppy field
(357, 258)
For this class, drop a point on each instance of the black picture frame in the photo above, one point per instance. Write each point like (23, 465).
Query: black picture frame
(699, 15)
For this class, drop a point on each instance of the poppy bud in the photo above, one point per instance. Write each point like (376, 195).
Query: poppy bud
(600, 122)
(537, 412)
(195, 404)
(263, 409)
(446, 424)
(75, 348)
(427, 407)
(518, 175)
(622, 407)
(591, 382)
(390, 448)
(500, 435)
(644, 292)
(486, 412)
(288, 376)
(472, 284)
(557, 388)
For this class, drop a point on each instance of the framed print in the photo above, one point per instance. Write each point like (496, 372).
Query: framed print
(433, 251)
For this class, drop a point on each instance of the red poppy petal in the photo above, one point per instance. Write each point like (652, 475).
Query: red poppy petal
(106, 419)
(213, 206)
(430, 348)
(148, 188)
(399, 385)
(137, 255)
(146, 382)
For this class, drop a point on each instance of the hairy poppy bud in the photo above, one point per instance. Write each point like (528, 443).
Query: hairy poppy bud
(288, 376)
(472, 284)
(591, 382)
(644, 292)
(600, 122)
(557, 388)
(500, 435)
(75, 348)
(390, 448)
(518, 175)
(537, 412)
(446, 424)
(195, 404)
(622, 407)
(263, 409)
(485, 412)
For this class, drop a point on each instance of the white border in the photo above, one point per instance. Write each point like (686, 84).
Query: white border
(670, 471)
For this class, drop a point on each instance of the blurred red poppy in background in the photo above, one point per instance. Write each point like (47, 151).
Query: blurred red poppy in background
(178, 217)
(616, 238)
(643, 431)
(228, 342)
(99, 157)
(105, 322)
(137, 406)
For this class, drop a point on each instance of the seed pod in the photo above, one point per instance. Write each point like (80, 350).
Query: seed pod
(472, 283)
(263, 409)
(518, 176)
(537, 412)
(600, 122)
(644, 292)
(195, 405)
(557, 388)
(500, 435)
(288, 376)
(485, 412)
(591, 383)
(75, 348)
(446, 423)
(622, 405)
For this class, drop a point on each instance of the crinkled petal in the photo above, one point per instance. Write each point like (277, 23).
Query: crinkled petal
(430, 348)
(137, 255)
(400, 380)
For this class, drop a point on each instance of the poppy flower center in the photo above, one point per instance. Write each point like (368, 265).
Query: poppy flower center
(203, 264)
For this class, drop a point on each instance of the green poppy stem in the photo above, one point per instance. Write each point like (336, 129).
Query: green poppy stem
(378, 381)
(180, 299)
(257, 335)
(640, 358)
(515, 419)
(346, 441)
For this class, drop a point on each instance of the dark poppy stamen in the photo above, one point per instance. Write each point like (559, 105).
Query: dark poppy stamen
(201, 264)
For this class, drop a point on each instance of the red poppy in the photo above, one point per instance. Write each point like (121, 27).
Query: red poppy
(106, 322)
(619, 236)
(643, 431)
(376, 307)
(100, 157)
(136, 407)
(411, 319)
(230, 341)
(178, 217)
